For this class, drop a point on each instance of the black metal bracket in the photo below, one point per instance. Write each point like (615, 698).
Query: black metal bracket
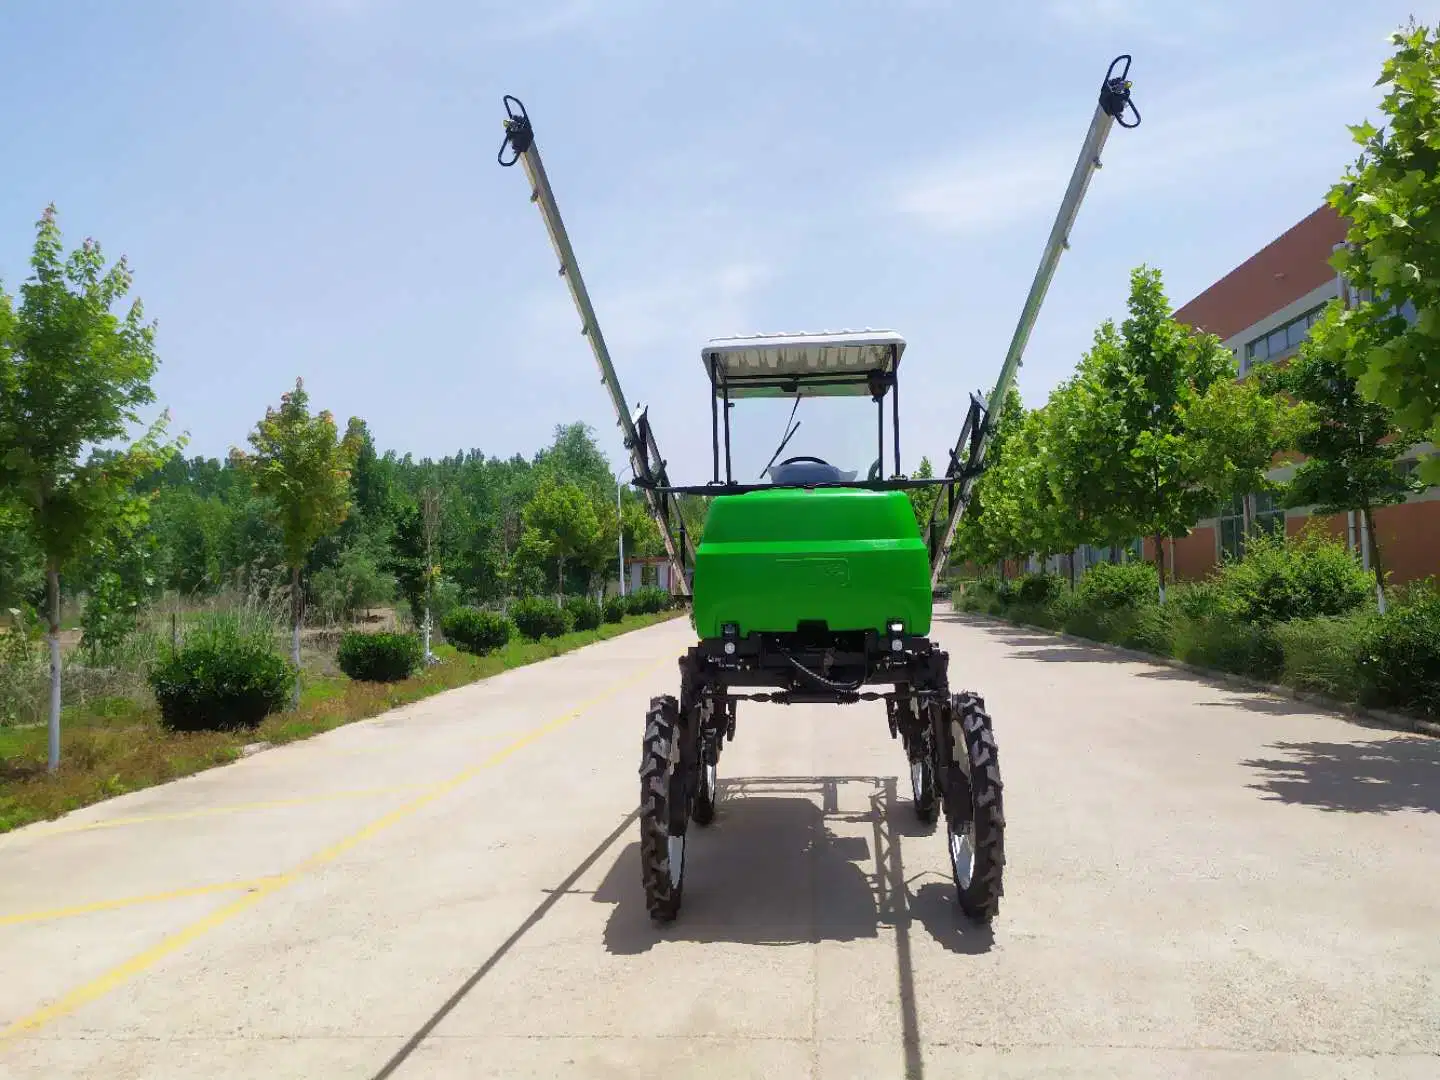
(712, 489)
(519, 135)
(1115, 93)
(980, 421)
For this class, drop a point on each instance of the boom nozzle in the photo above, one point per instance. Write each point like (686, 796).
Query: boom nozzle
(519, 135)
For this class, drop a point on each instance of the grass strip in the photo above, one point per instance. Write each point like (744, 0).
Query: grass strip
(117, 745)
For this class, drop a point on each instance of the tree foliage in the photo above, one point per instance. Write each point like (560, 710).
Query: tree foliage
(302, 466)
(1349, 440)
(922, 500)
(1391, 198)
(982, 534)
(73, 377)
(564, 520)
(1169, 430)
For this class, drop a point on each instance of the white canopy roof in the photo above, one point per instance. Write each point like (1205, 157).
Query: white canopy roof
(848, 354)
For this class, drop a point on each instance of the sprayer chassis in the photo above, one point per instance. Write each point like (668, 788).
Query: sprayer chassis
(947, 738)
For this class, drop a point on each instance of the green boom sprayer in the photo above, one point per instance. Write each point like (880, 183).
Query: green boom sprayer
(813, 585)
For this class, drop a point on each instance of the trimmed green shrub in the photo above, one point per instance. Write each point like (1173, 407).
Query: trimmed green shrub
(987, 595)
(615, 609)
(1228, 644)
(1322, 655)
(222, 678)
(1196, 599)
(476, 630)
(1112, 586)
(1150, 628)
(584, 613)
(536, 618)
(648, 601)
(1300, 577)
(1399, 657)
(1039, 590)
(380, 657)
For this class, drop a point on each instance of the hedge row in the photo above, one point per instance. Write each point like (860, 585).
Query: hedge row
(1299, 611)
(227, 676)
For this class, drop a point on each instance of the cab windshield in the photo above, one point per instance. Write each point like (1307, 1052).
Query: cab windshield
(825, 440)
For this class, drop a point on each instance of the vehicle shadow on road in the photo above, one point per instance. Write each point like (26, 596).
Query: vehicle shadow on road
(1379, 776)
(784, 865)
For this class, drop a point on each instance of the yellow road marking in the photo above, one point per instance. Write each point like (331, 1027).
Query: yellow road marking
(129, 901)
(233, 808)
(148, 958)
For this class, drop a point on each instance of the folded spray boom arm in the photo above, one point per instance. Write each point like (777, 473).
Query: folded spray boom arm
(967, 459)
(636, 432)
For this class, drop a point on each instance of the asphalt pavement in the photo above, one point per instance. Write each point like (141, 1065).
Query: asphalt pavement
(1201, 882)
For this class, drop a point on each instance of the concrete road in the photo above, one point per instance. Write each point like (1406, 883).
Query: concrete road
(1201, 883)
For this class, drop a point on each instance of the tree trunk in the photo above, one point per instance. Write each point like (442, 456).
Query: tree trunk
(296, 602)
(560, 578)
(52, 602)
(429, 656)
(1160, 563)
(1375, 560)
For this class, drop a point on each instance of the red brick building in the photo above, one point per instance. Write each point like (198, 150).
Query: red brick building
(1262, 310)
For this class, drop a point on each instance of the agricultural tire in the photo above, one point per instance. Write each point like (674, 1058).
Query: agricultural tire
(974, 812)
(922, 780)
(662, 810)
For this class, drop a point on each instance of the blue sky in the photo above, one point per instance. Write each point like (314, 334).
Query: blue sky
(309, 187)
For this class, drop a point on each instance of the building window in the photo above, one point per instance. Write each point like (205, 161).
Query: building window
(1283, 338)
(1269, 515)
(1231, 529)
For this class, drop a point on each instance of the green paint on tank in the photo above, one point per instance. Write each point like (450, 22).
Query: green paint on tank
(850, 558)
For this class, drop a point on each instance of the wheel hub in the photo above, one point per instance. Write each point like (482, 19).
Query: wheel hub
(676, 852)
(962, 854)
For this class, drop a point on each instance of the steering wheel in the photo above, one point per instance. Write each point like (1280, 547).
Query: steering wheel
(804, 457)
(874, 473)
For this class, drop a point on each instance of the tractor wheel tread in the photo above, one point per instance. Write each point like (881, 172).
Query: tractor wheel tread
(981, 900)
(661, 723)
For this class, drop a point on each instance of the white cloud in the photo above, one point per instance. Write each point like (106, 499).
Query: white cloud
(654, 326)
(485, 21)
(536, 20)
(681, 311)
(1137, 18)
(1187, 138)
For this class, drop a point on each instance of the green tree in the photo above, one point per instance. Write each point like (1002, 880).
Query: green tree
(22, 567)
(1389, 197)
(302, 467)
(73, 375)
(1164, 413)
(563, 517)
(922, 500)
(981, 535)
(1349, 441)
(576, 456)
(1031, 507)
(524, 573)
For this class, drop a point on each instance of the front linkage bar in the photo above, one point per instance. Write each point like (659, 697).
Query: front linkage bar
(967, 460)
(639, 437)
